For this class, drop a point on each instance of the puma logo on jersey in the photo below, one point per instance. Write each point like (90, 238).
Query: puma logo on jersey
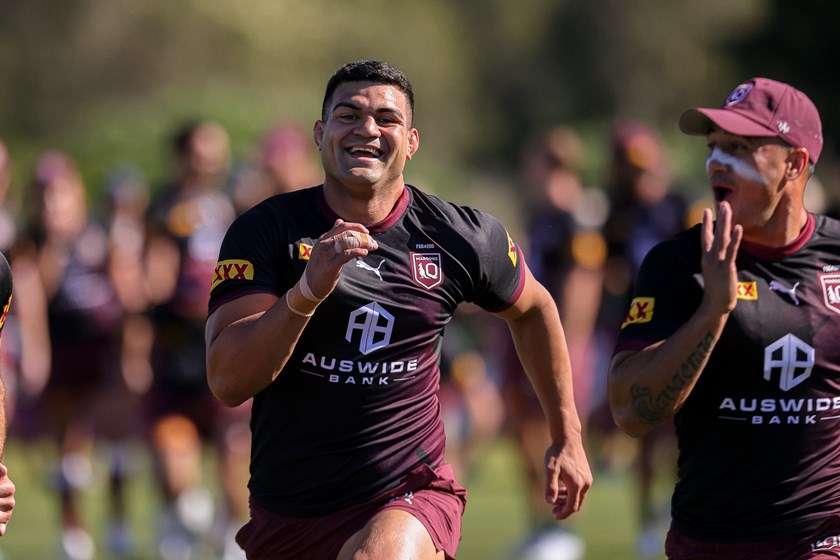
(779, 287)
(362, 264)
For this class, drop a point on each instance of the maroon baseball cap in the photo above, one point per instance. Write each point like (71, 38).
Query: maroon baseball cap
(764, 108)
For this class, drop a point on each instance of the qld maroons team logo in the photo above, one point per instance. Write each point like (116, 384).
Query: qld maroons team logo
(427, 269)
(831, 290)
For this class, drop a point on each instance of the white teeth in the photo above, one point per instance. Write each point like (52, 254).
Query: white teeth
(371, 151)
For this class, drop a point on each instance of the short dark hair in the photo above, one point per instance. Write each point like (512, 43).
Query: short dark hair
(369, 71)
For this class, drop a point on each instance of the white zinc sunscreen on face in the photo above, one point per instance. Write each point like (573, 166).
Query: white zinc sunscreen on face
(740, 167)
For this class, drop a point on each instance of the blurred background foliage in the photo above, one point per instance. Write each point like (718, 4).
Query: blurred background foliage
(108, 81)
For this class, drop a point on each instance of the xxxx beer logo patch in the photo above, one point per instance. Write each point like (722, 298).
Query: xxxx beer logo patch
(304, 251)
(641, 311)
(747, 290)
(232, 269)
(5, 312)
(426, 269)
(511, 249)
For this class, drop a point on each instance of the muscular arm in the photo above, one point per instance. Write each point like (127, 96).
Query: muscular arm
(7, 487)
(540, 343)
(250, 338)
(648, 387)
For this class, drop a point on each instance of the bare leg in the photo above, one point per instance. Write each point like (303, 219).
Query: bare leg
(392, 534)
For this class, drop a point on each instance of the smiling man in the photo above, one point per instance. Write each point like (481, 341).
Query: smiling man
(739, 343)
(342, 361)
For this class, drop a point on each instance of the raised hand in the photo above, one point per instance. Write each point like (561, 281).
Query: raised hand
(720, 244)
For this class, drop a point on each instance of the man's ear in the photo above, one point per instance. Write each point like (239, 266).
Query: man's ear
(413, 143)
(797, 163)
(318, 133)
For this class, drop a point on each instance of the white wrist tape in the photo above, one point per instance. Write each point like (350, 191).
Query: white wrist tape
(295, 311)
(306, 291)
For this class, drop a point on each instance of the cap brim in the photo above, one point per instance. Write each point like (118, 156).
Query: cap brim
(701, 122)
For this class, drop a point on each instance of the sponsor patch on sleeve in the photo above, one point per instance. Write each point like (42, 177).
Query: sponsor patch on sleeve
(304, 251)
(641, 311)
(5, 312)
(511, 249)
(232, 269)
(747, 290)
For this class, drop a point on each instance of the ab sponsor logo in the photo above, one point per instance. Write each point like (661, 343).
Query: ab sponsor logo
(788, 362)
(371, 326)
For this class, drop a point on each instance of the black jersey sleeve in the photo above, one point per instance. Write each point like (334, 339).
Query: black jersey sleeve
(5, 289)
(501, 271)
(248, 258)
(666, 293)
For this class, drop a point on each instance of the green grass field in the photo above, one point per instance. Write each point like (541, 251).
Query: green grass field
(494, 521)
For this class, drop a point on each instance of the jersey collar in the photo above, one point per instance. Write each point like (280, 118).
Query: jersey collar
(776, 253)
(395, 214)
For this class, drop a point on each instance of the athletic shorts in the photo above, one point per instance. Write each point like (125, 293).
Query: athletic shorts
(821, 544)
(431, 495)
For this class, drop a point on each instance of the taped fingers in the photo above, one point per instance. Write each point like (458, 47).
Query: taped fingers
(353, 240)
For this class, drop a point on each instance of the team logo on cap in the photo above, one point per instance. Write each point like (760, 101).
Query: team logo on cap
(426, 269)
(831, 291)
(738, 94)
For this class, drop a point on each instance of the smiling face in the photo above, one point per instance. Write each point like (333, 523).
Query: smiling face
(750, 174)
(367, 136)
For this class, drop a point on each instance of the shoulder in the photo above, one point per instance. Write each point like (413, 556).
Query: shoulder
(827, 226)
(5, 281)
(465, 218)
(286, 207)
(680, 250)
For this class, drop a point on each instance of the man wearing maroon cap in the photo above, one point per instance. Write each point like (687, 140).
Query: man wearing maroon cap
(732, 332)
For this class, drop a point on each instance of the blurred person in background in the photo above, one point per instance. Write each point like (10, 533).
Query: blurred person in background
(84, 315)
(644, 210)
(187, 220)
(24, 361)
(732, 338)
(285, 161)
(127, 197)
(566, 253)
(7, 487)
(470, 397)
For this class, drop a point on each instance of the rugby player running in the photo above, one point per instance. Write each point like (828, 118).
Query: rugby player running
(348, 446)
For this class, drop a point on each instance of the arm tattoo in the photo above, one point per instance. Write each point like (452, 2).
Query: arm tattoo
(648, 406)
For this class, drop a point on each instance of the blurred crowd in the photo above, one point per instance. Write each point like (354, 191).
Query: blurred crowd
(105, 339)
(104, 344)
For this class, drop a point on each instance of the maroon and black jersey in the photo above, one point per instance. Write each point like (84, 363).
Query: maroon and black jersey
(5, 289)
(759, 436)
(356, 406)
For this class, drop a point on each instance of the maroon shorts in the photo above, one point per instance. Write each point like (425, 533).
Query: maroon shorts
(431, 495)
(821, 544)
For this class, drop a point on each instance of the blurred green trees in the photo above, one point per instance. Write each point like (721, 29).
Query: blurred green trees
(108, 80)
